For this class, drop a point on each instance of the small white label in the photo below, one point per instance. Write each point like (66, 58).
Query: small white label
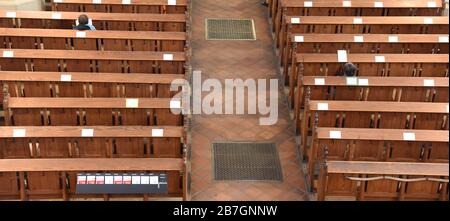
(66, 77)
(87, 132)
(172, 2)
(57, 1)
(431, 4)
(409, 136)
(428, 83)
(109, 180)
(97, 1)
(319, 81)
(56, 15)
(168, 57)
(393, 39)
(11, 14)
(19, 133)
(347, 3)
(307, 4)
(81, 34)
(175, 104)
(126, 2)
(342, 56)
(8, 54)
(352, 81)
(154, 180)
(299, 39)
(357, 21)
(135, 180)
(132, 103)
(363, 82)
(322, 106)
(443, 39)
(145, 180)
(447, 108)
(380, 59)
(428, 21)
(335, 134)
(295, 20)
(358, 38)
(378, 5)
(157, 133)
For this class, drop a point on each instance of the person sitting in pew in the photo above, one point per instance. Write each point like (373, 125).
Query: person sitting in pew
(347, 70)
(84, 23)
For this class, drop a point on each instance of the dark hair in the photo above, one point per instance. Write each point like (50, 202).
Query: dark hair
(347, 70)
(83, 19)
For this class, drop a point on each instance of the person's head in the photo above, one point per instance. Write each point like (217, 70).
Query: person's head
(83, 19)
(349, 70)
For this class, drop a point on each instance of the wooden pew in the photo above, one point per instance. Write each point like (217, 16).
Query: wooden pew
(356, 8)
(120, 6)
(25, 179)
(383, 181)
(402, 89)
(14, 38)
(102, 21)
(92, 61)
(26, 142)
(364, 43)
(91, 112)
(371, 114)
(355, 144)
(360, 25)
(383, 65)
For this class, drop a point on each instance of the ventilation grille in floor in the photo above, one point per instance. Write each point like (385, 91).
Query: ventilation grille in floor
(246, 161)
(230, 29)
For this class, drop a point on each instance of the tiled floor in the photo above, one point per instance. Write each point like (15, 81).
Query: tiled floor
(239, 59)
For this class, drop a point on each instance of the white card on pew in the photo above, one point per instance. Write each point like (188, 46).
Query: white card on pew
(57, 1)
(81, 34)
(19, 133)
(443, 39)
(335, 134)
(352, 81)
(357, 21)
(319, 81)
(136, 180)
(299, 39)
(363, 82)
(87, 132)
(347, 3)
(172, 2)
(132, 103)
(428, 83)
(322, 106)
(154, 180)
(295, 20)
(56, 15)
(168, 57)
(126, 2)
(431, 4)
(358, 38)
(175, 104)
(447, 108)
(428, 21)
(157, 133)
(342, 56)
(308, 4)
(66, 77)
(8, 54)
(393, 39)
(97, 1)
(145, 180)
(378, 5)
(11, 14)
(380, 59)
(109, 180)
(409, 136)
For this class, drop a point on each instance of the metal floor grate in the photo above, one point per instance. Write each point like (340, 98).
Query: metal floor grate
(230, 29)
(246, 161)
